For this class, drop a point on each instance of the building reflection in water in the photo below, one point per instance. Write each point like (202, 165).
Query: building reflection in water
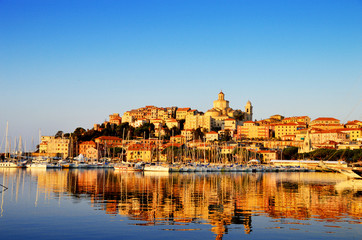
(217, 199)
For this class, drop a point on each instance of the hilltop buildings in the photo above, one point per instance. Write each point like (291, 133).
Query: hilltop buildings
(190, 128)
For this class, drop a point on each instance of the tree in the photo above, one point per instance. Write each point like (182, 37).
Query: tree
(290, 153)
(238, 115)
(226, 136)
(59, 134)
(175, 131)
(198, 134)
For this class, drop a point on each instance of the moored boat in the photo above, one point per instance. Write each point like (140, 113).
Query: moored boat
(8, 165)
(156, 168)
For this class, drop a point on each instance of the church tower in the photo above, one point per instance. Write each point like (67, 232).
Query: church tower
(221, 104)
(221, 96)
(249, 111)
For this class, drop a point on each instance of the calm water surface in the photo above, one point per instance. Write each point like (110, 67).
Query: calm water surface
(105, 204)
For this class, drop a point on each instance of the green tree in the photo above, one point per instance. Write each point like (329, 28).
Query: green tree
(198, 134)
(290, 153)
(59, 134)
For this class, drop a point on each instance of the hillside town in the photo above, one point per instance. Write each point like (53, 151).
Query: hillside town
(221, 134)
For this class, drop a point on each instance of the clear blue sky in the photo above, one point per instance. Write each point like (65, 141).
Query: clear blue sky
(65, 64)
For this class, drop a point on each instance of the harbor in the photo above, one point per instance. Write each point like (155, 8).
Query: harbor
(157, 205)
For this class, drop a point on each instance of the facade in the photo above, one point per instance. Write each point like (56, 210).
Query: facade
(157, 123)
(178, 139)
(115, 119)
(181, 113)
(251, 130)
(324, 136)
(287, 129)
(188, 134)
(354, 134)
(354, 124)
(84, 146)
(301, 119)
(139, 122)
(171, 123)
(139, 152)
(43, 147)
(230, 124)
(212, 136)
(109, 141)
(55, 146)
(227, 150)
(325, 123)
(268, 155)
(198, 121)
(92, 153)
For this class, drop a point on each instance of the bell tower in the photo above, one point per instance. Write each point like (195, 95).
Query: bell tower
(249, 111)
(221, 96)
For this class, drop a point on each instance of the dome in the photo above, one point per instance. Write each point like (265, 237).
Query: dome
(212, 113)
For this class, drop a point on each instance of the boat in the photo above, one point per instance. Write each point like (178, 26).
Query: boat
(128, 167)
(37, 165)
(8, 164)
(156, 168)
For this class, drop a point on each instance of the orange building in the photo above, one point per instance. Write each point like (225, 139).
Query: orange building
(354, 124)
(301, 119)
(109, 141)
(325, 123)
(115, 119)
(139, 152)
(178, 139)
(90, 150)
(252, 129)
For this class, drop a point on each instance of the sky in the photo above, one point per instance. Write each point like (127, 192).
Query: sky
(68, 64)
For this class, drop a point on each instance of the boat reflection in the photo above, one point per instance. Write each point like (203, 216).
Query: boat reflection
(218, 199)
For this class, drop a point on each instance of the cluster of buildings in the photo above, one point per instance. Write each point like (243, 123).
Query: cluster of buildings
(265, 137)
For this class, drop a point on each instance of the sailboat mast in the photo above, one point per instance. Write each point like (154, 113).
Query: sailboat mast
(6, 137)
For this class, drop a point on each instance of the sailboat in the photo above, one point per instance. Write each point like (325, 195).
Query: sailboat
(7, 163)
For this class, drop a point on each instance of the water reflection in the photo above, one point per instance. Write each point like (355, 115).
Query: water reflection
(216, 199)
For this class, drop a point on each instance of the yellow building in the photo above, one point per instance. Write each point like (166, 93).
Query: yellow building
(268, 155)
(287, 129)
(198, 121)
(188, 134)
(251, 129)
(55, 146)
(139, 152)
(43, 147)
(212, 136)
(354, 134)
(230, 124)
(171, 123)
(181, 113)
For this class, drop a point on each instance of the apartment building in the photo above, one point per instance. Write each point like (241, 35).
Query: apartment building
(252, 129)
(55, 146)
